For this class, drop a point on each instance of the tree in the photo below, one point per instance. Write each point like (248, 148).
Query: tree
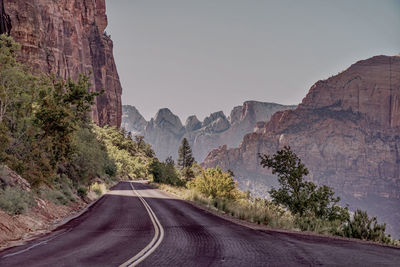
(165, 172)
(299, 196)
(15, 83)
(185, 158)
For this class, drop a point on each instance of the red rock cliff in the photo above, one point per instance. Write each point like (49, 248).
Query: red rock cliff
(67, 37)
(346, 130)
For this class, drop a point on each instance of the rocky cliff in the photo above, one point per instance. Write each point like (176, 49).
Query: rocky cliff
(132, 120)
(347, 132)
(166, 131)
(67, 37)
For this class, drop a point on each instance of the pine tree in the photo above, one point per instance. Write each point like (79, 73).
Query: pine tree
(185, 158)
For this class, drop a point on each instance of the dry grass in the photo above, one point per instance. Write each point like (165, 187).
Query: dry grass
(251, 210)
(98, 188)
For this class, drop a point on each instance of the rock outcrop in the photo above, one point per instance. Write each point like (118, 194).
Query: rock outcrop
(67, 37)
(346, 131)
(165, 132)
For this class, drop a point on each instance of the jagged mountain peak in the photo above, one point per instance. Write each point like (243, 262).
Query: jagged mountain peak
(165, 115)
(213, 116)
(132, 120)
(192, 123)
(165, 131)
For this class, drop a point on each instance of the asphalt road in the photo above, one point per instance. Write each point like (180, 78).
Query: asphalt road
(157, 230)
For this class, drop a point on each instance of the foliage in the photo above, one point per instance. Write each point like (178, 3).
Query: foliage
(299, 196)
(361, 226)
(165, 172)
(316, 207)
(39, 117)
(322, 226)
(90, 160)
(98, 188)
(46, 134)
(215, 183)
(132, 159)
(15, 201)
(185, 158)
(82, 191)
(55, 196)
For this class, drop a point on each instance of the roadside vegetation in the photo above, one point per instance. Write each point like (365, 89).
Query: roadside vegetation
(296, 205)
(48, 138)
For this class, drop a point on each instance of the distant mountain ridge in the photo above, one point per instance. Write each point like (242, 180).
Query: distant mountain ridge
(165, 131)
(346, 131)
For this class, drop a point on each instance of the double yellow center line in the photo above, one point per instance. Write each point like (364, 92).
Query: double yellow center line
(155, 242)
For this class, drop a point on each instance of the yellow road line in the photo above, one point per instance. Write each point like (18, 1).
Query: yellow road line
(155, 242)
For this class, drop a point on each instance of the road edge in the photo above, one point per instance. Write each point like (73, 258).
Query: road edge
(266, 228)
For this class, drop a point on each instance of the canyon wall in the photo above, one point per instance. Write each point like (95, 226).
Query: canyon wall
(346, 131)
(165, 131)
(67, 37)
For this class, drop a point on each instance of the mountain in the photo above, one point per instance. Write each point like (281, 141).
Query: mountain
(68, 38)
(132, 120)
(165, 131)
(346, 131)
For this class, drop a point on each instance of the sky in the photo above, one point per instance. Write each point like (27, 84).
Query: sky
(196, 57)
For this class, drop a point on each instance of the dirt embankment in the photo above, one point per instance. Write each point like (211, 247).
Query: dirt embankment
(43, 217)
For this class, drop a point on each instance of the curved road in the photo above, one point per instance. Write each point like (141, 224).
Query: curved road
(158, 230)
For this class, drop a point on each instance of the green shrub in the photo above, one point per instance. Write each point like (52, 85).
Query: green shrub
(15, 201)
(82, 191)
(55, 196)
(322, 226)
(165, 172)
(361, 226)
(98, 188)
(215, 183)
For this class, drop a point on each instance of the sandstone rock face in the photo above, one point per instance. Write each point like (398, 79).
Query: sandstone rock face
(346, 131)
(165, 132)
(132, 120)
(67, 37)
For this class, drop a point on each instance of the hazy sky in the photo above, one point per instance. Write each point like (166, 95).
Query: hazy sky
(201, 56)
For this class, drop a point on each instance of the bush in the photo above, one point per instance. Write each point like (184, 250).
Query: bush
(214, 183)
(322, 226)
(15, 201)
(82, 191)
(55, 196)
(98, 188)
(361, 226)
